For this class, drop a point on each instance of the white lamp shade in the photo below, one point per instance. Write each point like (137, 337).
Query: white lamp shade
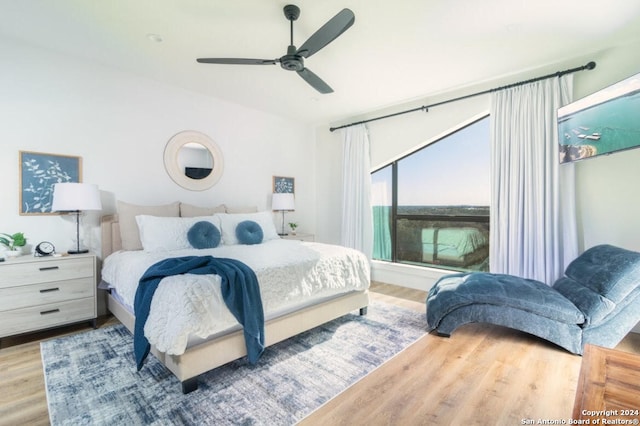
(75, 196)
(283, 201)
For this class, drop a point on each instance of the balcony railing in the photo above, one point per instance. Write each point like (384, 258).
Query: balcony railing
(455, 242)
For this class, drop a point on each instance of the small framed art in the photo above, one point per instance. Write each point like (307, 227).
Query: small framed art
(38, 173)
(283, 184)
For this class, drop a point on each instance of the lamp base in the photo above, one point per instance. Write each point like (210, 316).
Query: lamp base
(78, 251)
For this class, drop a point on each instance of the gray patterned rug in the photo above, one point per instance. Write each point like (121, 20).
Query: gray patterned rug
(91, 377)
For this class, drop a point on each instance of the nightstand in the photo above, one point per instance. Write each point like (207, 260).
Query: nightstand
(300, 237)
(44, 292)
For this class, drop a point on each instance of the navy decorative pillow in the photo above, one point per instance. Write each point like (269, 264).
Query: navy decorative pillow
(203, 235)
(249, 232)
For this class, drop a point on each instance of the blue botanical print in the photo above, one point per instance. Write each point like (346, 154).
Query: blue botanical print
(283, 184)
(39, 173)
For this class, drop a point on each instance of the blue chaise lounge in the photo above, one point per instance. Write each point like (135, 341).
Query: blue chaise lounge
(597, 301)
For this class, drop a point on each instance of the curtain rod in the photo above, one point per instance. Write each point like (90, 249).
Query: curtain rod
(589, 66)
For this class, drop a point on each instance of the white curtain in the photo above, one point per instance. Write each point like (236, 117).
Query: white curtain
(357, 221)
(533, 221)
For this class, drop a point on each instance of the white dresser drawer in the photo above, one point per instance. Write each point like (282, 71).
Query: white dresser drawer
(44, 293)
(20, 272)
(45, 316)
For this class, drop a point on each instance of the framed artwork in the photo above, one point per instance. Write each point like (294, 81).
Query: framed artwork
(38, 173)
(284, 184)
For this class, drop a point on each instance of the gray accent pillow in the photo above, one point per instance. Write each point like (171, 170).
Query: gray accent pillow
(241, 209)
(189, 210)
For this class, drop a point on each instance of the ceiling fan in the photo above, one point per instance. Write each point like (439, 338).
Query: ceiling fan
(294, 59)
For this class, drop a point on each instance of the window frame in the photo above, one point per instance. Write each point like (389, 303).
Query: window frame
(395, 216)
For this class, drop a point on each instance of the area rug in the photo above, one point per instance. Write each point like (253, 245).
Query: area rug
(91, 378)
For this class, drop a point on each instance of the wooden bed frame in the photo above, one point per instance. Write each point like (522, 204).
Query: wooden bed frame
(210, 354)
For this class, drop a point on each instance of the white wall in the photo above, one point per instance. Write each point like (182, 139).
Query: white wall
(119, 125)
(607, 191)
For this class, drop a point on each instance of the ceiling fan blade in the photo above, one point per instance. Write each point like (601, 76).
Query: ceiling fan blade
(237, 61)
(315, 81)
(327, 33)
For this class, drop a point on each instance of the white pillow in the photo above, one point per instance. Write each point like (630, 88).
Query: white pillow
(168, 233)
(229, 221)
(127, 217)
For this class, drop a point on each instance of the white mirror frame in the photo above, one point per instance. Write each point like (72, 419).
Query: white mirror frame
(173, 168)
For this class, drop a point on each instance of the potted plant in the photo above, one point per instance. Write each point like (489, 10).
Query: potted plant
(14, 243)
(293, 227)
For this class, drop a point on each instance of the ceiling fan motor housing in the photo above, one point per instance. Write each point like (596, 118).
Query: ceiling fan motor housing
(291, 61)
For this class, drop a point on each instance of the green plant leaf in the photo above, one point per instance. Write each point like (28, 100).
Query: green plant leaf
(5, 242)
(19, 240)
(15, 240)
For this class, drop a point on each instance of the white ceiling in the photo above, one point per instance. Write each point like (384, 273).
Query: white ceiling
(395, 52)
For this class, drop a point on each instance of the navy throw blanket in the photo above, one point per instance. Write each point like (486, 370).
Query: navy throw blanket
(240, 291)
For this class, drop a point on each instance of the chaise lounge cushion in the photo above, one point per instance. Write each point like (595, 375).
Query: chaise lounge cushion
(594, 306)
(607, 270)
(458, 290)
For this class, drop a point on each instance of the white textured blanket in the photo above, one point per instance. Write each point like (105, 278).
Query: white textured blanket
(291, 274)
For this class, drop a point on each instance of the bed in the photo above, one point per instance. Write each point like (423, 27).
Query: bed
(454, 246)
(303, 285)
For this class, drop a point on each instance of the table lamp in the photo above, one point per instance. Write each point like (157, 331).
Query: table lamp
(74, 198)
(283, 202)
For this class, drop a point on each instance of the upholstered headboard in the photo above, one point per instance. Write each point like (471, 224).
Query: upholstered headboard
(112, 239)
(110, 230)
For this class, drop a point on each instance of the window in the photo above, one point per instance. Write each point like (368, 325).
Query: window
(431, 207)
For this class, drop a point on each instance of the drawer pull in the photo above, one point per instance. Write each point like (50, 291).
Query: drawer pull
(49, 268)
(49, 290)
(52, 311)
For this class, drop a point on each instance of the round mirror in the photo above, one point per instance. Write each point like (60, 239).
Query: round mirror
(196, 160)
(193, 160)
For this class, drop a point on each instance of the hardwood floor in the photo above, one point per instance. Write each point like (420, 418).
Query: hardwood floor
(482, 375)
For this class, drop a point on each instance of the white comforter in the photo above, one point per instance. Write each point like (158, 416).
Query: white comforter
(291, 274)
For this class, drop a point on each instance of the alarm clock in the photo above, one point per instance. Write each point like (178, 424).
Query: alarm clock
(45, 248)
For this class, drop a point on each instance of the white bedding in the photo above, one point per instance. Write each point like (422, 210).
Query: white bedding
(291, 274)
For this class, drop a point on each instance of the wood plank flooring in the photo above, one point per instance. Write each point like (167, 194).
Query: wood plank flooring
(481, 375)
